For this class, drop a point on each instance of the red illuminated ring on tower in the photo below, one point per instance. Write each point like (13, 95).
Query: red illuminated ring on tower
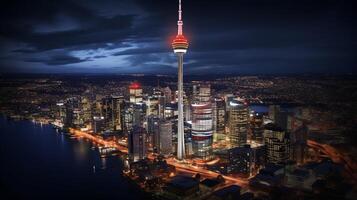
(180, 42)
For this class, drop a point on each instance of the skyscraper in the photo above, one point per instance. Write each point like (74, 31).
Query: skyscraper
(163, 137)
(167, 94)
(86, 110)
(202, 122)
(72, 110)
(136, 93)
(137, 144)
(240, 160)
(61, 111)
(202, 130)
(160, 133)
(298, 144)
(238, 123)
(152, 127)
(180, 46)
(202, 93)
(128, 118)
(219, 117)
(161, 102)
(98, 124)
(152, 104)
(112, 107)
(139, 112)
(257, 127)
(277, 143)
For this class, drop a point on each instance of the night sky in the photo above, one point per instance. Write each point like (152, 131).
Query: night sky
(133, 36)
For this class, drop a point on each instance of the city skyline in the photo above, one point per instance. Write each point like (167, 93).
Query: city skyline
(105, 99)
(259, 143)
(239, 37)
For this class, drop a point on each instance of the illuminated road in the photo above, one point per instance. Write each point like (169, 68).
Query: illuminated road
(204, 172)
(98, 140)
(180, 167)
(336, 156)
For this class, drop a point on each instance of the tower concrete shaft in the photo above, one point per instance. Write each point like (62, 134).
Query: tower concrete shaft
(180, 125)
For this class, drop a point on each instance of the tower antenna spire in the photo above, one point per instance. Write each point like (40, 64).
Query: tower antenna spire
(179, 22)
(180, 11)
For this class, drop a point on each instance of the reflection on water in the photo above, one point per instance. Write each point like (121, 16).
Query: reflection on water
(81, 151)
(103, 163)
(39, 163)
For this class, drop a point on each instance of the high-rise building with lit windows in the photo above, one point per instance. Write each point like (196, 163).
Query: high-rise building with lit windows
(202, 134)
(86, 110)
(219, 117)
(202, 124)
(277, 144)
(152, 104)
(112, 107)
(159, 95)
(202, 93)
(136, 93)
(238, 123)
(257, 127)
(98, 124)
(72, 110)
(163, 137)
(137, 144)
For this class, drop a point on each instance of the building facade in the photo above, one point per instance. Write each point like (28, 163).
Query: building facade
(277, 144)
(112, 107)
(238, 123)
(137, 144)
(219, 117)
(135, 93)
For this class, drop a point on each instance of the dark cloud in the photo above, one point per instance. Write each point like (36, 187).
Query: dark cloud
(236, 36)
(20, 20)
(57, 60)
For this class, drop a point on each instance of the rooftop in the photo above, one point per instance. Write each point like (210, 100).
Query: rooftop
(183, 182)
(210, 182)
(232, 189)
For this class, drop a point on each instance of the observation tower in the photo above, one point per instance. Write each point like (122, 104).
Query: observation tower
(180, 46)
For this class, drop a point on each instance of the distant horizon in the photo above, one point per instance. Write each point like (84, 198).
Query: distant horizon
(175, 75)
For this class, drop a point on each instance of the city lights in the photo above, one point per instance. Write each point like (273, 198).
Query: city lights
(226, 131)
